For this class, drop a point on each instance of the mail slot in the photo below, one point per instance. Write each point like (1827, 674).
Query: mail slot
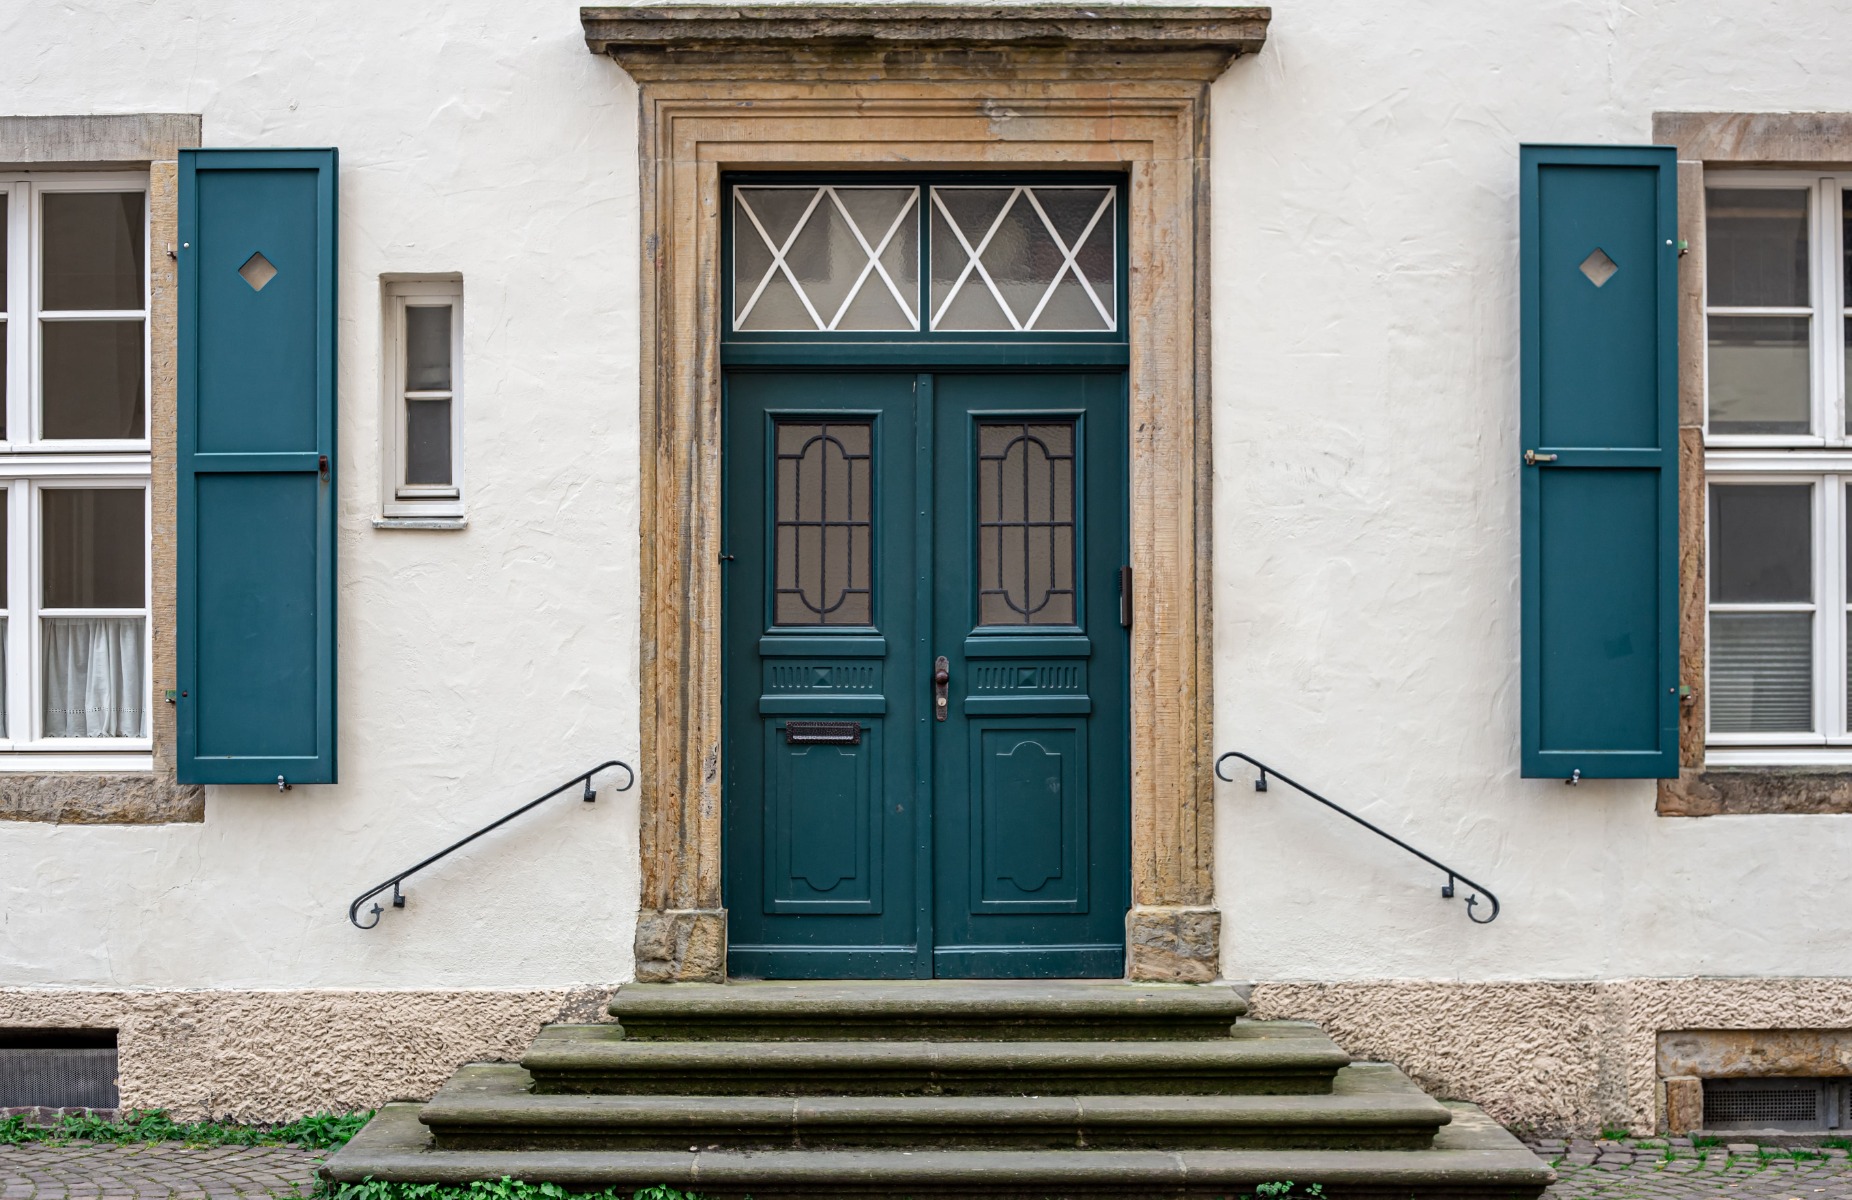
(823, 733)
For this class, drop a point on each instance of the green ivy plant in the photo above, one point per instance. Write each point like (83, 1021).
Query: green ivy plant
(322, 1131)
(502, 1189)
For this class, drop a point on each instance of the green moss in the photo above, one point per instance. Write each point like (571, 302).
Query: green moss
(322, 1131)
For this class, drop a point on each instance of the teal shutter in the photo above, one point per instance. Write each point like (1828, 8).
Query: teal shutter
(256, 585)
(1600, 476)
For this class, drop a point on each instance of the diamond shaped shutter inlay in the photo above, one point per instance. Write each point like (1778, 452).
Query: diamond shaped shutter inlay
(825, 258)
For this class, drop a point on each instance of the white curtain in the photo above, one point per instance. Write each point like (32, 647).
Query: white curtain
(94, 677)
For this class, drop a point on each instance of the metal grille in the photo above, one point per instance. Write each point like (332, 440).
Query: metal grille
(1795, 1104)
(822, 523)
(58, 1078)
(1025, 526)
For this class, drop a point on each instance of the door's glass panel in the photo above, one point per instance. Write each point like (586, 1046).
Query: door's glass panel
(427, 348)
(1026, 258)
(1761, 543)
(822, 523)
(1761, 672)
(1755, 247)
(825, 258)
(1758, 377)
(1025, 523)
(91, 250)
(94, 681)
(94, 547)
(427, 443)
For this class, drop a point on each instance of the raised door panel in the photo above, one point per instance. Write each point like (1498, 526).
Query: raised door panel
(1028, 817)
(823, 824)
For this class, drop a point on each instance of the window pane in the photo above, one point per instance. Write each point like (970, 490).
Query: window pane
(427, 348)
(95, 547)
(1761, 677)
(1761, 543)
(94, 683)
(92, 250)
(1025, 523)
(1758, 378)
(427, 443)
(1022, 239)
(3, 276)
(851, 257)
(1755, 246)
(92, 379)
(821, 523)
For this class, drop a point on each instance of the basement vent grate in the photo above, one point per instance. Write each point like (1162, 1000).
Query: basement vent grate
(1790, 1104)
(58, 1068)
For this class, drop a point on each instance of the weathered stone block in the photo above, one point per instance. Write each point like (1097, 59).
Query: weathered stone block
(1173, 945)
(682, 946)
(1684, 1104)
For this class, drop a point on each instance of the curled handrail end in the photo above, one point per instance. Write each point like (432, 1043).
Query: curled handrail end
(1472, 902)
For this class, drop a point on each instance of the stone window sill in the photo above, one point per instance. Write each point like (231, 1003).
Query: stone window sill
(1755, 791)
(94, 798)
(421, 522)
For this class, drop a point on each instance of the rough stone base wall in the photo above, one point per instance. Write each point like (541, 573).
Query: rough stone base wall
(278, 1055)
(1548, 1057)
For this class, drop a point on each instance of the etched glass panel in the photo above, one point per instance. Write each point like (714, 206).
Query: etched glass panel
(1025, 523)
(1024, 258)
(825, 258)
(822, 523)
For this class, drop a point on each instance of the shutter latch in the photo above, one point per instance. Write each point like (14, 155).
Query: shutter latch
(1532, 458)
(321, 464)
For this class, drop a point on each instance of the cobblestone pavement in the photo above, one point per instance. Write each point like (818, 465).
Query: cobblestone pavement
(1673, 1169)
(169, 1170)
(1629, 1170)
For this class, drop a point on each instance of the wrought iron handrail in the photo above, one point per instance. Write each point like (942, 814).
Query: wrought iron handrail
(1446, 891)
(398, 897)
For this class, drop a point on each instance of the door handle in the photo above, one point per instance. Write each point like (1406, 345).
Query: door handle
(941, 676)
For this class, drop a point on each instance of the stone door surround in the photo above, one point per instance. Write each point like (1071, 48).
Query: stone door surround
(959, 87)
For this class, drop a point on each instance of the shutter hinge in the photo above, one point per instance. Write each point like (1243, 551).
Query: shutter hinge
(1125, 597)
(321, 464)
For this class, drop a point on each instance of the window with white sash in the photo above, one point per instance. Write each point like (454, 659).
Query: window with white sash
(75, 688)
(423, 418)
(1778, 465)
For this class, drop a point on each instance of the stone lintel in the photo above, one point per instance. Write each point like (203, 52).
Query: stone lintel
(687, 945)
(1791, 139)
(90, 140)
(1172, 944)
(951, 41)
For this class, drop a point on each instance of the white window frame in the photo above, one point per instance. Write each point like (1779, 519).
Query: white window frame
(1821, 457)
(29, 465)
(397, 498)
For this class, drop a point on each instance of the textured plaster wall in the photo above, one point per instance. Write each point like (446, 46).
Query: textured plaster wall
(478, 668)
(1367, 464)
(268, 1055)
(1554, 1057)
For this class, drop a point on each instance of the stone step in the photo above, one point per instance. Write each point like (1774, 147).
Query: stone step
(1471, 1159)
(1283, 1058)
(926, 1010)
(489, 1106)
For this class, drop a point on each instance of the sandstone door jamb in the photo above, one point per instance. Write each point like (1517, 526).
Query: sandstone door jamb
(732, 88)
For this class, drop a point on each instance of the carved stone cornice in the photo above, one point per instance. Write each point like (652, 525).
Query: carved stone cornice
(925, 41)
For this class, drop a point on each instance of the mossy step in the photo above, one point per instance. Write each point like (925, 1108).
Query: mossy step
(489, 1106)
(926, 1010)
(1283, 1058)
(1471, 1159)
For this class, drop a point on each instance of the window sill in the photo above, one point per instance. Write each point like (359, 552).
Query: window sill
(121, 797)
(1721, 791)
(421, 522)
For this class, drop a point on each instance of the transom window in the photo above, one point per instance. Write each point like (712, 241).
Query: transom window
(1778, 279)
(964, 258)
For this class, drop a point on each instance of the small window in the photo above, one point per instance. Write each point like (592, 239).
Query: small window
(423, 418)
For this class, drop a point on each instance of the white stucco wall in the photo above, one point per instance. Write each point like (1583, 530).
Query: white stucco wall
(477, 668)
(1366, 502)
(1365, 320)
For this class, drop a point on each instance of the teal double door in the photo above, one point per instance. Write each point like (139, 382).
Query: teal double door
(926, 735)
